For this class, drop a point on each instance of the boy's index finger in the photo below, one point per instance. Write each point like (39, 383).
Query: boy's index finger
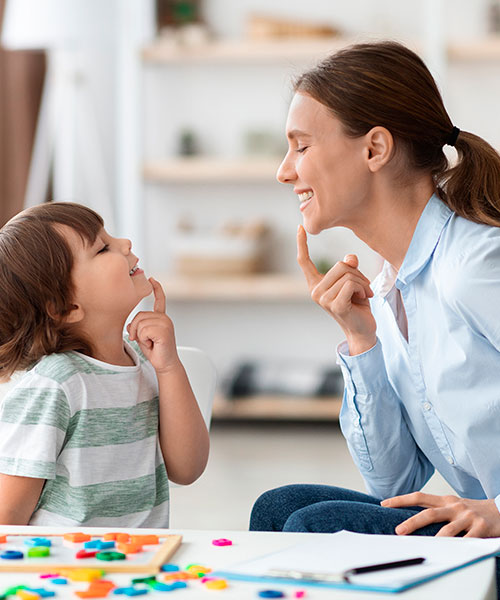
(313, 277)
(160, 304)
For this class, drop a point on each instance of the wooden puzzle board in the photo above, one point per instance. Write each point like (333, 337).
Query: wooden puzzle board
(63, 555)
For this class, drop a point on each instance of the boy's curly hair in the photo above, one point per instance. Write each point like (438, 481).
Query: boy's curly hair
(35, 283)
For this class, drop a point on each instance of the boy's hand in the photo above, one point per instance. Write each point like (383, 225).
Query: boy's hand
(154, 332)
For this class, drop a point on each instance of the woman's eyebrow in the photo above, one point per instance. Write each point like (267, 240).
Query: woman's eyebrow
(294, 133)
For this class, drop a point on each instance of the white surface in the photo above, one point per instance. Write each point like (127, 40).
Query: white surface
(472, 583)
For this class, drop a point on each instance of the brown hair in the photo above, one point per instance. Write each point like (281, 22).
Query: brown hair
(386, 84)
(36, 287)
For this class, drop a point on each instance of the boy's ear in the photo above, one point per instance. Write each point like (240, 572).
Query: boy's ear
(73, 315)
(380, 147)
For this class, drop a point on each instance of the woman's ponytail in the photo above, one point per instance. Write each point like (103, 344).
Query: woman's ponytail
(471, 188)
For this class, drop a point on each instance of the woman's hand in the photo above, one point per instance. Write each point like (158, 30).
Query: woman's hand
(344, 293)
(154, 332)
(477, 518)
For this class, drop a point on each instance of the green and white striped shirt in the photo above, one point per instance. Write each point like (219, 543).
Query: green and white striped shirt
(91, 430)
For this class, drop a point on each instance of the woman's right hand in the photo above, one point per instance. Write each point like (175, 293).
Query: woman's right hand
(344, 293)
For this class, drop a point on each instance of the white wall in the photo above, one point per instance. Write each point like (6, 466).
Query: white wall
(219, 102)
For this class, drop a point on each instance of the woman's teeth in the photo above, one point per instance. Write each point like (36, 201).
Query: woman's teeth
(133, 270)
(305, 196)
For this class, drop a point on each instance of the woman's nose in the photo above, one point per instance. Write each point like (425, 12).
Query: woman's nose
(286, 171)
(126, 245)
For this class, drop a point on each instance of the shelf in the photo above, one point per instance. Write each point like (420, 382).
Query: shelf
(273, 51)
(164, 52)
(206, 170)
(263, 287)
(277, 408)
(485, 49)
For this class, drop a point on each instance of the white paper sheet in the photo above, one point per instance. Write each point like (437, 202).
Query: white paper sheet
(338, 552)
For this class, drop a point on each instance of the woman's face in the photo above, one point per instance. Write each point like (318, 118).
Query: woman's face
(328, 169)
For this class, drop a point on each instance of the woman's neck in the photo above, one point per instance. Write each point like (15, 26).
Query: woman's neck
(391, 218)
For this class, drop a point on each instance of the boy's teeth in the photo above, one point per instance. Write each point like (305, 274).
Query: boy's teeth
(305, 196)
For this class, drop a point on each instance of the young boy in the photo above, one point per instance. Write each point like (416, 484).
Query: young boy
(90, 432)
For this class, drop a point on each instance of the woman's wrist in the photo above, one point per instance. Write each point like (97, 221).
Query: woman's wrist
(359, 345)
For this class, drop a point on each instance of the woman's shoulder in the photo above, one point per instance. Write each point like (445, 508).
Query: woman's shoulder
(466, 263)
(469, 245)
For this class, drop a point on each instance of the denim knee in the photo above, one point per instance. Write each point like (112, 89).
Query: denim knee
(272, 508)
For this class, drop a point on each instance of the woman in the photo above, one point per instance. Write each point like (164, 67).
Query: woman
(421, 360)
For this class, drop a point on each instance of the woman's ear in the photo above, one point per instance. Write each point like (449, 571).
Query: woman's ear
(74, 314)
(380, 146)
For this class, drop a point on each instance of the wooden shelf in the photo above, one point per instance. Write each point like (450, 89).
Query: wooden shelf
(266, 51)
(206, 170)
(263, 287)
(486, 49)
(277, 408)
(275, 51)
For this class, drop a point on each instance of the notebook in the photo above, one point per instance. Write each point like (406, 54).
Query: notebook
(323, 561)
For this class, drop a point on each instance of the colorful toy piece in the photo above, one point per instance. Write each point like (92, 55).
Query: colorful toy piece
(76, 538)
(216, 584)
(59, 581)
(12, 555)
(107, 555)
(48, 575)
(169, 568)
(130, 591)
(299, 594)
(144, 539)
(38, 541)
(147, 580)
(82, 574)
(222, 542)
(86, 553)
(271, 594)
(3, 539)
(42, 592)
(129, 548)
(99, 588)
(38, 551)
(27, 595)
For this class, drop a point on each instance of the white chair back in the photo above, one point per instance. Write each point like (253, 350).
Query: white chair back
(202, 377)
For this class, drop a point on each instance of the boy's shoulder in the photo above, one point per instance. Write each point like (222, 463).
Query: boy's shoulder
(63, 366)
(58, 367)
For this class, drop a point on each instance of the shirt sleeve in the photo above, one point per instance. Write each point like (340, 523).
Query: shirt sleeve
(376, 432)
(34, 419)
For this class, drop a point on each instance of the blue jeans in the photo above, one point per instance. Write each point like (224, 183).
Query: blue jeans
(327, 509)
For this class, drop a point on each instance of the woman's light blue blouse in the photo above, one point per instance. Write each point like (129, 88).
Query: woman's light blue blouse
(432, 401)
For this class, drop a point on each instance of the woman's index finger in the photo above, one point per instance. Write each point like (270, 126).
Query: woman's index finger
(160, 304)
(311, 274)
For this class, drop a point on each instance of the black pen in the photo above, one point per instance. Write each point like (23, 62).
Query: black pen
(382, 567)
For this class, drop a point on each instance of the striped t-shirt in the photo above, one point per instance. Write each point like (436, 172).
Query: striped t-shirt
(90, 429)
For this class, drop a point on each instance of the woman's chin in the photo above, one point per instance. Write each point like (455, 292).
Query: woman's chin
(311, 227)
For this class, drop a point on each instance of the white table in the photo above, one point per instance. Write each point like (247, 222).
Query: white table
(476, 582)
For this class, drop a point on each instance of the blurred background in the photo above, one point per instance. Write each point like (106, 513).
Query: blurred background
(167, 117)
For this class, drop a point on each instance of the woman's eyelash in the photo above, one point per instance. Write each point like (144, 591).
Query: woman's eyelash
(105, 248)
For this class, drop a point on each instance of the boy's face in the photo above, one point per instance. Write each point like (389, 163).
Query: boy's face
(105, 276)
